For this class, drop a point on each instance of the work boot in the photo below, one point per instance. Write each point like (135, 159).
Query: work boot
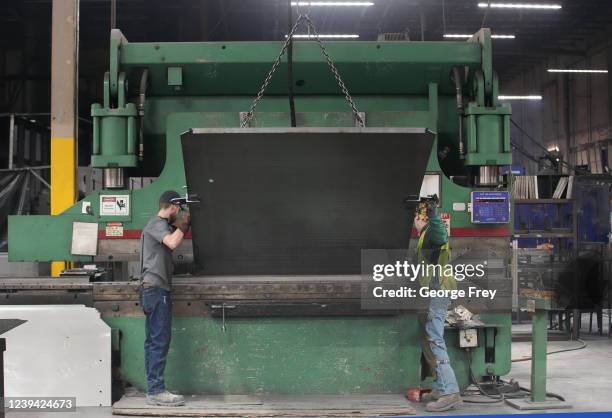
(165, 398)
(434, 395)
(445, 403)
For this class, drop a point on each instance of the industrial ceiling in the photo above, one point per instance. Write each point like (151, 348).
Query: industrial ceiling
(568, 31)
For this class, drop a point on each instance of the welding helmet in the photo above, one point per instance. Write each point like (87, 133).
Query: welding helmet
(426, 208)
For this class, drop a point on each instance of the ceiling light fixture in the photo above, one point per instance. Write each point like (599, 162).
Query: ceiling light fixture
(553, 70)
(330, 35)
(530, 97)
(465, 36)
(520, 6)
(332, 3)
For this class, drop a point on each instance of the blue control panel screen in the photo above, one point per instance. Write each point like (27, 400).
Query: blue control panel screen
(490, 207)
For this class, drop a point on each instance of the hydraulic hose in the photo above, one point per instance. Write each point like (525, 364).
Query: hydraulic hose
(583, 345)
(500, 397)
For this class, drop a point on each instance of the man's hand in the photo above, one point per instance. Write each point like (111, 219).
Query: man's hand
(183, 222)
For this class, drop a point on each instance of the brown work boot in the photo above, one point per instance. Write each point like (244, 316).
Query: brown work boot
(445, 403)
(432, 396)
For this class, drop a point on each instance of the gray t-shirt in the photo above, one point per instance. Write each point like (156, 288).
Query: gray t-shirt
(155, 257)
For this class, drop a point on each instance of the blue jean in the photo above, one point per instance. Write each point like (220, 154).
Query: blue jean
(157, 308)
(445, 382)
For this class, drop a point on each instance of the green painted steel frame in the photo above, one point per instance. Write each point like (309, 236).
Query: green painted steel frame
(302, 355)
(397, 84)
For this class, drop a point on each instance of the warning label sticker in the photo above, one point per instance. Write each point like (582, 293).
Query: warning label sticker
(114, 229)
(446, 218)
(115, 205)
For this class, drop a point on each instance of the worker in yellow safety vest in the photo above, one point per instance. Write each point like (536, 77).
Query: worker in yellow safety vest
(433, 249)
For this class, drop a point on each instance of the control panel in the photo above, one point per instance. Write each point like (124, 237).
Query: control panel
(490, 207)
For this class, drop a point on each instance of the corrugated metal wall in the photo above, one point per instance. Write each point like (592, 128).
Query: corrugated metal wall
(575, 114)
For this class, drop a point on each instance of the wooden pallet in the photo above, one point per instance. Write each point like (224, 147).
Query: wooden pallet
(271, 406)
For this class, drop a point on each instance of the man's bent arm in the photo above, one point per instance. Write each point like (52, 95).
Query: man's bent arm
(174, 239)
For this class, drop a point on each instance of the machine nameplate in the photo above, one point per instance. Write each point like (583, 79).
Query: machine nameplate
(84, 238)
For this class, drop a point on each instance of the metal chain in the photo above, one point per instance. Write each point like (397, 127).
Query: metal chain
(249, 116)
(335, 72)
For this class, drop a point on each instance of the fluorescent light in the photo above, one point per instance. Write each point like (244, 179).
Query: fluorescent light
(577, 71)
(520, 6)
(466, 36)
(327, 35)
(332, 3)
(531, 97)
(553, 148)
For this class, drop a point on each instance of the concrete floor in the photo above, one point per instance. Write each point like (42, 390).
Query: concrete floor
(583, 377)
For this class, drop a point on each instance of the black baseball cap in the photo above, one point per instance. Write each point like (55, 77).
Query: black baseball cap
(170, 196)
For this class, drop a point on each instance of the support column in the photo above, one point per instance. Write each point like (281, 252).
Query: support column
(64, 93)
(539, 400)
(539, 343)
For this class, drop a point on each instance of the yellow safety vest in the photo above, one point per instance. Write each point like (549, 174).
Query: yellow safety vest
(446, 279)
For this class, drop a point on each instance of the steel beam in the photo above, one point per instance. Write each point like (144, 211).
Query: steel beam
(64, 78)
(11, 142)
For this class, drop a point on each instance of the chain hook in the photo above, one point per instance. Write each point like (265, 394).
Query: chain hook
(246, 121)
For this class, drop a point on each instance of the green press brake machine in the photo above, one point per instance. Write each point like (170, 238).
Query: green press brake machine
(281, 329)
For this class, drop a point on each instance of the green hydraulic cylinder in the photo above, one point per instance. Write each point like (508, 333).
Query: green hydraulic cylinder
(114, 129)
(114, 136)
(488, 135)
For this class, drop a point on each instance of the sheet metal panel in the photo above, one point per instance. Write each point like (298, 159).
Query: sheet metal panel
(300, 201)
(61, 351)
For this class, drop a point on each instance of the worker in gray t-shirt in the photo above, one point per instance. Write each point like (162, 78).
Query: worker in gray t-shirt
(156, 255)
(162, 234)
